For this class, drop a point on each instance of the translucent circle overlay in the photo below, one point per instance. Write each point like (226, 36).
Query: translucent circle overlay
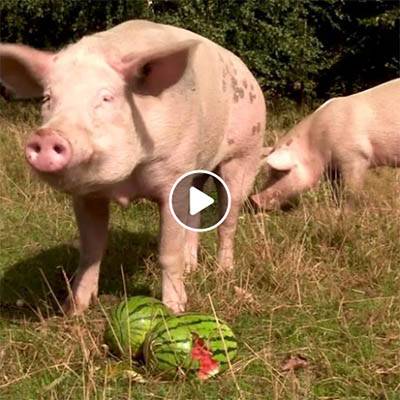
(197, 172)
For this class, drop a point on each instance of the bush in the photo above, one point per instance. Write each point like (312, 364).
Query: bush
(296, 49)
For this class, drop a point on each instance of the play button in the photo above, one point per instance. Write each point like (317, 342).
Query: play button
(199, 200)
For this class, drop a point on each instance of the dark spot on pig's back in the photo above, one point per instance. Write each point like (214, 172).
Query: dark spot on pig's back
(231, 141)
(238, 92)
(256, 129)
(252, 97)
(245, 83)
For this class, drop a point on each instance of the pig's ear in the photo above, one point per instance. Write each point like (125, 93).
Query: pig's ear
(154, 70)
(23, 69)
(281, 159)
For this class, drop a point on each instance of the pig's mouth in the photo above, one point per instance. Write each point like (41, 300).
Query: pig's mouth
(74, 179)
(64, 164)
(60, 180)
(81, 178)
(84, 169)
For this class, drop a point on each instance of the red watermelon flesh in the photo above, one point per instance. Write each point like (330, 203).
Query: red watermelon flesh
(207, 365)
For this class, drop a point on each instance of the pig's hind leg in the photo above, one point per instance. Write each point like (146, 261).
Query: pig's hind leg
(191, 246)
(192, 238)
(239, 175)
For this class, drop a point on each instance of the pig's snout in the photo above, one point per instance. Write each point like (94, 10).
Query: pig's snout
(46, 151)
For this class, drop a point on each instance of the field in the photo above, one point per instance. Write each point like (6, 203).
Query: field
(313, 283)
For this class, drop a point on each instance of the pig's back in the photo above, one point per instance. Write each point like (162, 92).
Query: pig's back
(378, 107)
(382, 93)
(138, 35)
(368, 121)
(229, 103)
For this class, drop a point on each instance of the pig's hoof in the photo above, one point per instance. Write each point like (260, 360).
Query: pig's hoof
(69, 308)
(226, 265)
(176, 308)
(225, 259)
(190, 259)
(72, 307)
(226, 268)
(190, 267)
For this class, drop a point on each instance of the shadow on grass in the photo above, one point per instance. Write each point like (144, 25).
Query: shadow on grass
(39, 282)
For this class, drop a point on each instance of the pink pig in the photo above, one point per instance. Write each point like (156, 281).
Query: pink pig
(125, 113)
(345, 136)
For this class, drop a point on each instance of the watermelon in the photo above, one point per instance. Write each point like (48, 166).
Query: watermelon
(129, 323)
(192, 343)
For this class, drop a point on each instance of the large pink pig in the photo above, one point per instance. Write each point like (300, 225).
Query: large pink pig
(125, 113)
(345, 136)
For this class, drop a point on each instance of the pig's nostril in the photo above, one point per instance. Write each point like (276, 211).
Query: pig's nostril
(58, 148)
(48, 152)
(36, 147)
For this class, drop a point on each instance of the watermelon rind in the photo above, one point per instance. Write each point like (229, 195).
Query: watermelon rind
(168, 346)
(129, 323)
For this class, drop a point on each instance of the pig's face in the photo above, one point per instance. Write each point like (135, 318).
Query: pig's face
(88, 135)
(92, 134)
(272, 197)
(287, 175)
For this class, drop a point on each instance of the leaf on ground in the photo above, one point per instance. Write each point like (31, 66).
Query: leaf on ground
(244, 295)
(135, 376)
(294, 362)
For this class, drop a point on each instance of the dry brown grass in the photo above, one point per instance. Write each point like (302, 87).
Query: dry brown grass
(313, 282)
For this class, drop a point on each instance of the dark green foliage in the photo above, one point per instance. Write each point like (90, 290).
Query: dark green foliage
(272, 37)
(53, 23)
(297, 49)
(362, 41)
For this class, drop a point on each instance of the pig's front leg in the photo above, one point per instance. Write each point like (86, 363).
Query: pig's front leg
(92, 219)
(172, 260)
(192, 244)
(353, 171)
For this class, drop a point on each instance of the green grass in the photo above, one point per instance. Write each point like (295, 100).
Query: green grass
(309, 282)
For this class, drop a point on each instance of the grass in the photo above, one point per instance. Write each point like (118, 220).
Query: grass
(309, 282)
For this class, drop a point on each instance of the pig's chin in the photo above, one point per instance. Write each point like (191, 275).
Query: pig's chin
(62, 182)
(80, 180)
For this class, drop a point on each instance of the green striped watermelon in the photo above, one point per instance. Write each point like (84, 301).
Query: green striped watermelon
(190, 343)
(130, 321)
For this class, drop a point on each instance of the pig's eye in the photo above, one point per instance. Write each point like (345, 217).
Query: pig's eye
(106, 96)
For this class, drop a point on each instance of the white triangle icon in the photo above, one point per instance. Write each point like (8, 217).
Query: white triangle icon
(198, 201)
